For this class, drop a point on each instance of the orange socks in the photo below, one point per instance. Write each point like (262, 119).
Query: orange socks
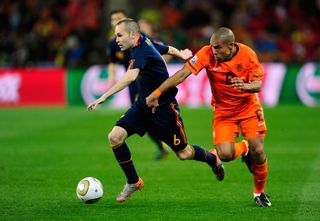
(241, 148)
(260, 174)
(260, 171)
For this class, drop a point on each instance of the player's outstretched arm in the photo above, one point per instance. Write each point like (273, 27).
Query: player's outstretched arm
(185, 54)
(173, 81)
(126, 79)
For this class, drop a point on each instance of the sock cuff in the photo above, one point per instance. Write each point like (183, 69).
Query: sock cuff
(261, 165)
(260, 168)
(240, 148)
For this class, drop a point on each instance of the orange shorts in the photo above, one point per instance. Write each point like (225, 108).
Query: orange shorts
(251, 124)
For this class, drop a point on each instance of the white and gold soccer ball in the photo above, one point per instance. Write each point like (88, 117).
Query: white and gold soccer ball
(89, 190)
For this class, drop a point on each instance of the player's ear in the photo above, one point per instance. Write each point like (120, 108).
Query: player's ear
(132, 34)
(231, 44)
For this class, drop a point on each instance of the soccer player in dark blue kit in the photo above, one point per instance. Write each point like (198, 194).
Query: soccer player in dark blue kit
(118, 57)
(149, 68)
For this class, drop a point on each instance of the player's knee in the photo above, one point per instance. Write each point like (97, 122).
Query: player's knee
(114, 140)
(182, 155)
(225, 152)
(257, 150)
(256, 146)
(225, 156)
(185, 154)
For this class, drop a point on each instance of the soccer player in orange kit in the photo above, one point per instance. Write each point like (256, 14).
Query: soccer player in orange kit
(235, 76)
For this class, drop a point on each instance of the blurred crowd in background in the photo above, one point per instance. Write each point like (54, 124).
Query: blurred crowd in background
(74, 33)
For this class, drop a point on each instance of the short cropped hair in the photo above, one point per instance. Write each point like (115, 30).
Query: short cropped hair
(131, 24)
(224, 34)
(116, 11)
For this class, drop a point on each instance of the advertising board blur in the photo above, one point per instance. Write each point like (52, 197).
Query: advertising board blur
(283, 84)
(32, 86)
(287, 84)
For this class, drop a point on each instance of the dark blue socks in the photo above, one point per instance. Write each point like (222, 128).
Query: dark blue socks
(203, 155)
(123, 157)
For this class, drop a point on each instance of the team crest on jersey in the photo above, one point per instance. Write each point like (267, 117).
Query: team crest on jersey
(194, 59)
(239, 67)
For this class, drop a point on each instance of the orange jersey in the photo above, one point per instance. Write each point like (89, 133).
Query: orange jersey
(244, 64)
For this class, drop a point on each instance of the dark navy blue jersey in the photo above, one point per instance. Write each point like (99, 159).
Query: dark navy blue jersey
(115, 54)
(153, 70)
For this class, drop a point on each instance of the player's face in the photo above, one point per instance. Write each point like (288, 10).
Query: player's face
(221, 51)
(116, 17)
(123, 37)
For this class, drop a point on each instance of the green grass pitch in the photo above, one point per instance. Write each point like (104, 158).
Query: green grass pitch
(44, 152)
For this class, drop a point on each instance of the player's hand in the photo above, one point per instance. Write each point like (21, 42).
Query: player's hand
(93, 105)
(238, 83)
(186, 54)
(152, 101)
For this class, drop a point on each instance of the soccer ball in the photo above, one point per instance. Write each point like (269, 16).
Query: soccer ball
(89, 190)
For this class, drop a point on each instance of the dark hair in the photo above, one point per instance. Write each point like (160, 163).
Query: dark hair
(118, 11)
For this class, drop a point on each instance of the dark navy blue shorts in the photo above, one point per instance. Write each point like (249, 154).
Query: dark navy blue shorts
(166, 124)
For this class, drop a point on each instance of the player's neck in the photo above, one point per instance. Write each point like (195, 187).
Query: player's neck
(234, 51)
(137, 41)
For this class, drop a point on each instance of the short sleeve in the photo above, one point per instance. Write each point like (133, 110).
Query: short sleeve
(255, 70)
(161, 48)
(199, 61)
